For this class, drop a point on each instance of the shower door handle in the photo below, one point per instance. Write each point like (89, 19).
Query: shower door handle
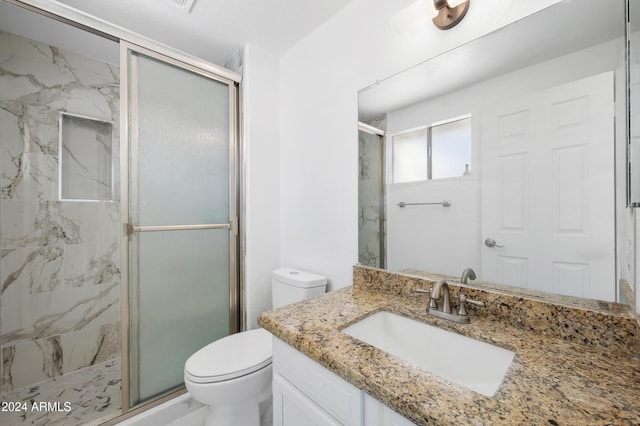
(131, 229)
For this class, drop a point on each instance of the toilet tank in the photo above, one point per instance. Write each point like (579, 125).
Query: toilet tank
(291, 285)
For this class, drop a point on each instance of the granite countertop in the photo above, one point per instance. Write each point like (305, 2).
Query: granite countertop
(557, 377)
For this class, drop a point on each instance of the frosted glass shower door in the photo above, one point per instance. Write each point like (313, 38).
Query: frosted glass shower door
(181, 225)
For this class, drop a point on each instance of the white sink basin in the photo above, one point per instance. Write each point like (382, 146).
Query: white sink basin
(477, 365)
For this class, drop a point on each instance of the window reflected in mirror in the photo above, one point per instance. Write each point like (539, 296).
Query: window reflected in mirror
(451, 149)
(410, 156)
(439, 151)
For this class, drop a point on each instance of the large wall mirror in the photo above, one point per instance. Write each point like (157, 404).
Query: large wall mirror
(510, 156)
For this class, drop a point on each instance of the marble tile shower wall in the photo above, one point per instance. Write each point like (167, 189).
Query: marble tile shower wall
(369, 195)
(60, 260)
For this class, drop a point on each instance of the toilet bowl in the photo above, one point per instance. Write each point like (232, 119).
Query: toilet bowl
(232, 375)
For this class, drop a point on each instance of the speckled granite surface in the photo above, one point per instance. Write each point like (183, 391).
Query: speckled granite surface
(572, 366)
(578, 302)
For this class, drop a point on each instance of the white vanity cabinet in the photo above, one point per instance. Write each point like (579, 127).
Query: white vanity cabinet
(306, 393)
(378, 414)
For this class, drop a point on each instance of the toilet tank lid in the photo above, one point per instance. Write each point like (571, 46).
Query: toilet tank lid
(298, 278)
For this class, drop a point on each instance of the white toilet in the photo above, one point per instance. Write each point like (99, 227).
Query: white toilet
(232, 375)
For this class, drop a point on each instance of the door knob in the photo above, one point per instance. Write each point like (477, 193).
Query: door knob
(491, 243)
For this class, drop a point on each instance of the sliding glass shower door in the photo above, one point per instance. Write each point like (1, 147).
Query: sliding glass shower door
(181, 224)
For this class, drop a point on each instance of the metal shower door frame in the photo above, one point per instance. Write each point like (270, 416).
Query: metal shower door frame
(128, 157)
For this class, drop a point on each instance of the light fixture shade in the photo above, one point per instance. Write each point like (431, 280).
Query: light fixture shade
(449, 16)
(454, 3)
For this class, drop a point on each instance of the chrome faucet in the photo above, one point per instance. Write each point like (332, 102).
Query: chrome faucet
(441, 289)
(467, 274)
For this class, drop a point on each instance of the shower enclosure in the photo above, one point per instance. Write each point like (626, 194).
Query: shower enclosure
(118, 218)
(371, 183)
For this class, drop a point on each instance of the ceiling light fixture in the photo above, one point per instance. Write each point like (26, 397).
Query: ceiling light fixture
(448, 17)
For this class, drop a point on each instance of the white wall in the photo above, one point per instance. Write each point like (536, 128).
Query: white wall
(435, 239)
(260, 92)
(320, 78)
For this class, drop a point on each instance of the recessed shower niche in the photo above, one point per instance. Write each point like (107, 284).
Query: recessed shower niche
(86, 171)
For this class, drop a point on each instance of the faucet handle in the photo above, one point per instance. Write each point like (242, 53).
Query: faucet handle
(462, 307)
(474, 302)
(433, 304)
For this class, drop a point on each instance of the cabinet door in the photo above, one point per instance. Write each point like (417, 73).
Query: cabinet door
(292, 408)
(334, 395)
(378, 414)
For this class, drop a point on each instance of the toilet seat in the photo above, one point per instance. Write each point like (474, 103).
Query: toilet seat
(230, 357)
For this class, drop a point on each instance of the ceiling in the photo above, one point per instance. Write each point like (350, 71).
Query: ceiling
(215, 29)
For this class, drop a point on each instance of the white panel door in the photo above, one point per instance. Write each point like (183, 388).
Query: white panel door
(548, 190)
